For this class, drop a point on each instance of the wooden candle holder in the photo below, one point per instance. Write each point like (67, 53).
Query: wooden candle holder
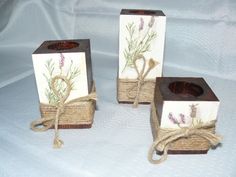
(182, 102)
(70, 59)
(141, 44)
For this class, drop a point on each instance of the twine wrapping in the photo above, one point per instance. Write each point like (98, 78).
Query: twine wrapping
(146, 92)
(172, 135)
(141, 77)
(49, 122)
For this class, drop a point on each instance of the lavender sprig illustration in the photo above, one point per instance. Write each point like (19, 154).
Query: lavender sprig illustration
(138, 43)
(62, 60)
(193, 114)
(151, 22)
(141, 24)
(182, 118)
(71, 74)
(186, 119)
(174, 120)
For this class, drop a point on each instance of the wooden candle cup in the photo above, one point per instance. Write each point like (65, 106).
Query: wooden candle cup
(180, 103)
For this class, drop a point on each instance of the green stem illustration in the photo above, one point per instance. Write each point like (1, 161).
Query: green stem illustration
(138, 44)
(71, 74)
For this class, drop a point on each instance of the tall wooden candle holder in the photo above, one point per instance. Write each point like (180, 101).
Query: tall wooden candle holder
(141, 48)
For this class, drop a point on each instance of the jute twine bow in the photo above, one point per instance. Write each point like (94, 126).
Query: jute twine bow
(141, 76)
(171, 135)
(57, 143)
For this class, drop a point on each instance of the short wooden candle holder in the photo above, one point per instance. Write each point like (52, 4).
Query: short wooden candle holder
(178, 104)
(70, 62)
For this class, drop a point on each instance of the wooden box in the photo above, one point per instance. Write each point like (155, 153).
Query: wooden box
(72, 60)
(182, 102)
(141, 42)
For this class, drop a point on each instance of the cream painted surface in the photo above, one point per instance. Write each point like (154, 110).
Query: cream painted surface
(156, 49)
(206, 111)
(80, 82)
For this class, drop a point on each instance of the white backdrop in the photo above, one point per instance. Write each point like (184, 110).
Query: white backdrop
(200, 41)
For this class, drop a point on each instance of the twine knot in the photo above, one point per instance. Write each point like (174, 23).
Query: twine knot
(162, 144)
(186, 132)
(57, 143)
(61, 107)
(141, 80)
(141, 77)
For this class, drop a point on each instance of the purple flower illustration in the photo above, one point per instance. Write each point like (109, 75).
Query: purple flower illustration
(182, 118)
(139, 40)
(151, 22)
(62, 60)
(173, 119)
(141, 24)
(51, 70)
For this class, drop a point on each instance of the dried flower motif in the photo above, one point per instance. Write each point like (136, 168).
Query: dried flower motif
(70, 74)
(141, 24)
(151, 22)
(193, 108)
(138, 43)
(62, 60)
(173, 119)
(182, 118)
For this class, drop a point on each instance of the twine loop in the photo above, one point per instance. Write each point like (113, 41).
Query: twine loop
(186, 132)
(141, 77)
(60, 109)
(62, 98)
(171, 135)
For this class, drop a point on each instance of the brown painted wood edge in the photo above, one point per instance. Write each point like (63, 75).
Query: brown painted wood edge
(73, 126)
(131, 102)
(184, 152)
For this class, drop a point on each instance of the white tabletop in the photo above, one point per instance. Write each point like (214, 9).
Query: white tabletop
(199, 42)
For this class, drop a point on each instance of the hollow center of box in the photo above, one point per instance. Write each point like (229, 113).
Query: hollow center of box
(185, 89)
(143, 12)
(66, 45)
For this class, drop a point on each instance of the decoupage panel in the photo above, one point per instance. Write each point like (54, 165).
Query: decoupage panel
(70, 65)
(178, 114)
(141, 35)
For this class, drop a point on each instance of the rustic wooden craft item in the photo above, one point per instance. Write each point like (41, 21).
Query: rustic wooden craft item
(183, 117)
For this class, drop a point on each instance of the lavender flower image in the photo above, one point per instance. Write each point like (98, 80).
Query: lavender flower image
(71, 74)
(172, 118)
(62, 60)
(182, 118)
(141, 24)
(138, 43)
(151, 22)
